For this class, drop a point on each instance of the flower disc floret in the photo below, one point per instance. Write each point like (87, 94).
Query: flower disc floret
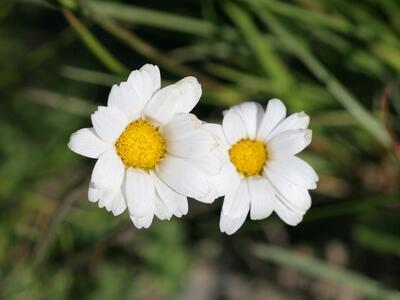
(249, 156)
(140, 145)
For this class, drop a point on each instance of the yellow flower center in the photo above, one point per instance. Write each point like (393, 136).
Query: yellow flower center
(140, 145)
(249, 156)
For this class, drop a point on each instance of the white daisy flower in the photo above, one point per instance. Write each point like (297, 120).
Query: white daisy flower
(261, 173)
(152, 153)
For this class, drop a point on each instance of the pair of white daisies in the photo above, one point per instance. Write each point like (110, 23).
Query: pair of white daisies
(152, 154)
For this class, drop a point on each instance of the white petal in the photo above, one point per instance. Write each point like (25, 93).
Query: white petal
(142, 222)
(117, 204)
(177, 98)
(275, 113)
(218, 132)
(94, 194)
(182, 204)
(262, 198)
(145, 81)
(234, 127)
(154, 74)
(251, 113)
(209, 198)
(293, 122)
(108, 171)
(176, 203)
(109, 122)
(183, 177)
(85, 142)
(199, 143)
(296, 198)
(287, 215)
(140, 193)
(237, 201)
(305, 168)
(288, 169)
(215, 129)
(114, 201)
(229, 224)
(106, 199)
(289, 143)
(161, 210)
(222, 147)
(209, 163)
(125, 98)
(226, 181)
(181, 126)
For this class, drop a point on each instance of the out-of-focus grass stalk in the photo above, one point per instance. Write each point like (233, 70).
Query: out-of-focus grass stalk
(147, 50)
(94, 45)
(242, 79)
(385, 42)
(162, 20)
(376, 29)
(317, 268)
(139, 15)
(257, 84)
(94, 77)
(391, 8)
(269, 61)
(382, 41)
(377, 240)
(63, 102)
(354, 25)
(223, 95)
(341, 94)
(335, 22)
(90, 76)
(201, 51)
(388, 53)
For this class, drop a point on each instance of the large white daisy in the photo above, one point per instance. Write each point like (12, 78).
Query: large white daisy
(152, 153)
(261, 173)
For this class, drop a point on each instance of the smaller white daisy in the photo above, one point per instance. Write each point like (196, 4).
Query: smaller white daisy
(261, 173)
(152, 153)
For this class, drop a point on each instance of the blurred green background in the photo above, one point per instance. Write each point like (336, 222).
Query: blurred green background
(337, 60)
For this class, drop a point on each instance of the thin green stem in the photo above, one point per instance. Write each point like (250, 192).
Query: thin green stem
(94, 45)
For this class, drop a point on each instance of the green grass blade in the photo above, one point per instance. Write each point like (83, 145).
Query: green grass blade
(267, 58)
(342, 95)
(317, 18)
(73, 105)
(95, 46)
(248, 81)
(90, 76)
(387, 53)
(139, 45)
(317, 268)
(254, 84)
(149, 17)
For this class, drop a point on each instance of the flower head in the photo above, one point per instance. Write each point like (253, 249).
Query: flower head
(151, 152)
(261, 173)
